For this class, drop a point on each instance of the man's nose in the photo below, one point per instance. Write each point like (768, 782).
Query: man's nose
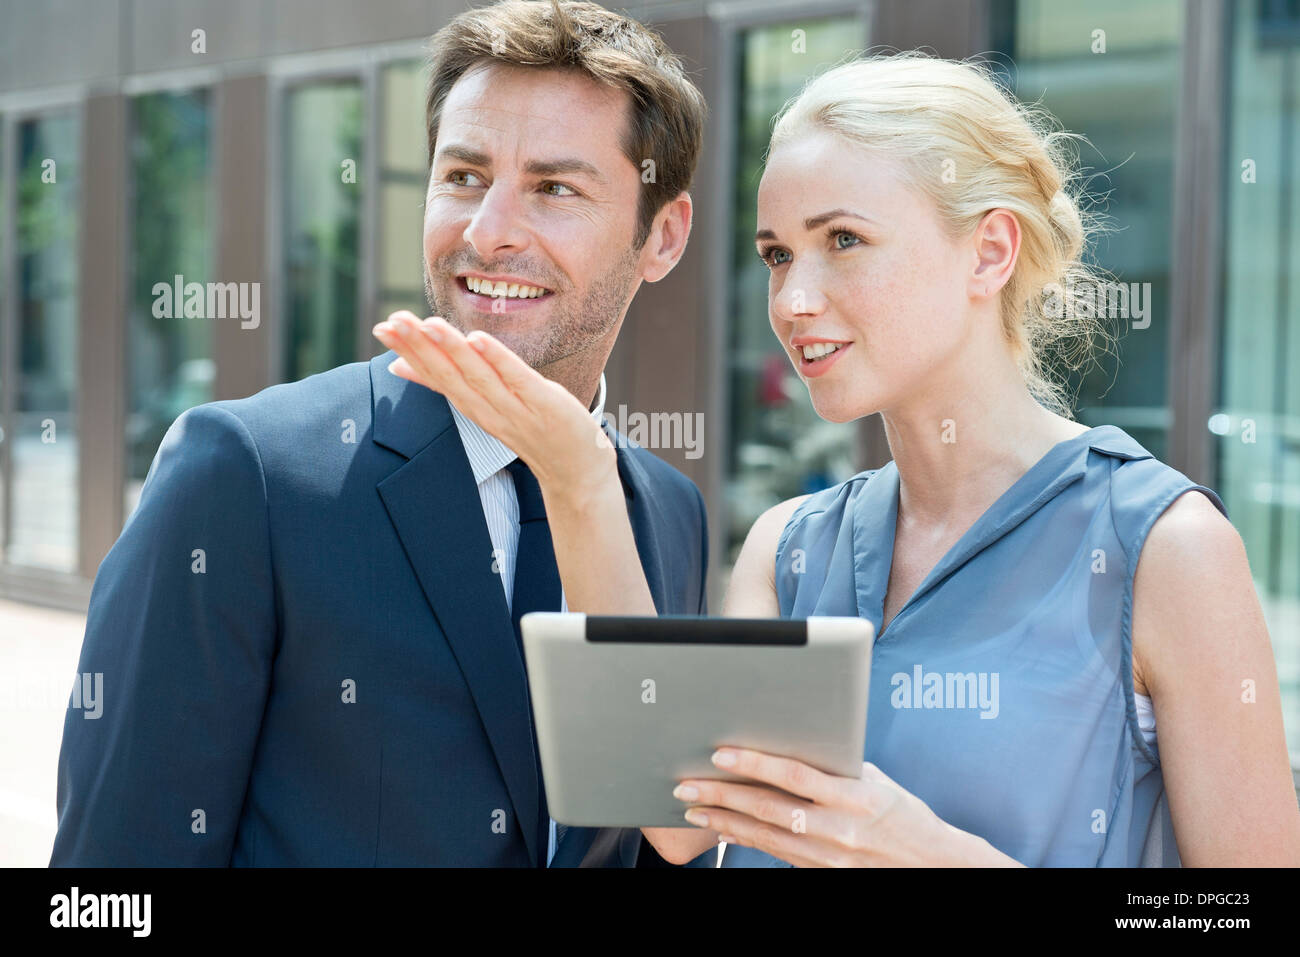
(498, 223)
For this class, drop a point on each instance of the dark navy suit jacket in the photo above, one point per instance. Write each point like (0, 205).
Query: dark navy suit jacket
(307, 657)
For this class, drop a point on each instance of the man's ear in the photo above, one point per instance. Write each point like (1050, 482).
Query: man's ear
(667, 239)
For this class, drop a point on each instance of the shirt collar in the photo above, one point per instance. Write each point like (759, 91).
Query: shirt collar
(486, 453)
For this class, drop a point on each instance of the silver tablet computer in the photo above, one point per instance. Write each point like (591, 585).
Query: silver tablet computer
(627, 707)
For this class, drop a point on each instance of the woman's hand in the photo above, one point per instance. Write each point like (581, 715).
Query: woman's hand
(802, 815)
(539, 420)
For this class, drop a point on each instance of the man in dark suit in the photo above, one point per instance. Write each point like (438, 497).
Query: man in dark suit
(308, 629)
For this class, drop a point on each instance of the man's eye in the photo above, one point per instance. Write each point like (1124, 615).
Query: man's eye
(461, 178)
(549, 189)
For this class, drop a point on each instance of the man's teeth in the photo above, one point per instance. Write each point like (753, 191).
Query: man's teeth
(819, 349)
(514, 290)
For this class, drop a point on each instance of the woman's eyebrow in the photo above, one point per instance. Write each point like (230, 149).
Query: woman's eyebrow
(812, 222)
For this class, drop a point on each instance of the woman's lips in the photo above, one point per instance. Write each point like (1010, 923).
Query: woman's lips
(812, 368)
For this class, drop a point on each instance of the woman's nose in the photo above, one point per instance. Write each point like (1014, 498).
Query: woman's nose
(799, 296)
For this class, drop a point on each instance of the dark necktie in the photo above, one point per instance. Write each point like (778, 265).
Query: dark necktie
(536, 588)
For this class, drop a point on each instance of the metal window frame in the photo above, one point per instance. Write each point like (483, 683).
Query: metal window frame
(729, 19)
(1196, 253)
(284, 75)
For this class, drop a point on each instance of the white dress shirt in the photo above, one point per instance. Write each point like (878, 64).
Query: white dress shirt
(488, 458)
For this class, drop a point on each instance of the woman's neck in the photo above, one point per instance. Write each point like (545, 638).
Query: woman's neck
(958, 447)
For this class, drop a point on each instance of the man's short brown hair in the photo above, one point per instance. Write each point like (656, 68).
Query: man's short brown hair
(667, 111)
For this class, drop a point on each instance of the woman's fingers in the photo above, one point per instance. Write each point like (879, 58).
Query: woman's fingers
(421, 361)
(767, 805)
(422, 358)
(434, 367)
(477, 372)
(762, 803)
(793, 777)
(798, 849)
(517, 375)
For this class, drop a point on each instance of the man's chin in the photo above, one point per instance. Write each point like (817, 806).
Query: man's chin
(516, 333)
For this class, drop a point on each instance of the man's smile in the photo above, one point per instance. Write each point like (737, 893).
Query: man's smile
(499, 294)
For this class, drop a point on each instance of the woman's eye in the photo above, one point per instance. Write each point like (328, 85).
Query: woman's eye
(547, 189)
(853, 240)
(774, 257)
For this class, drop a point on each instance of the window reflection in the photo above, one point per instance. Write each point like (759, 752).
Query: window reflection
(322, 195)
(1258, 421)
(779, 446)
(42, 430)
(1119, 88)
(169, 361)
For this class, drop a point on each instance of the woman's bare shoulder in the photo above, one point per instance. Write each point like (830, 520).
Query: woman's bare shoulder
(752, 589)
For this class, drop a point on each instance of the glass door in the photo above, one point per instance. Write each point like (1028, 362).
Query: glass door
(1257, 423)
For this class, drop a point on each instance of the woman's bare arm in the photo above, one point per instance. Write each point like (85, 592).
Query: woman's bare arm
(1202, 651)
(577, 469)
(751, 593)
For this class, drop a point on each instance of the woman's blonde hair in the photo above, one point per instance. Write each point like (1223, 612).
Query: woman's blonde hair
(972, 147)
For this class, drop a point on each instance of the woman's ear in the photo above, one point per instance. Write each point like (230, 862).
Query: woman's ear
(667, 239)
(997, 244)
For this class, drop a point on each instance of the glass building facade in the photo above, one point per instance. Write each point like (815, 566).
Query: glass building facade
(1189, 110)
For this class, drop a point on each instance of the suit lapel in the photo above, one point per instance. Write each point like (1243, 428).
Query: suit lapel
(435, 509)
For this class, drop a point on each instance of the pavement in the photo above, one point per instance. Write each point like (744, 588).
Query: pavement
(39, 648)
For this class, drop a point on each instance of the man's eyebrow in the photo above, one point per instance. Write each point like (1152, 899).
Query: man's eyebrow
(564, 167)
(555, 167)
(812, 222)
(466, 154)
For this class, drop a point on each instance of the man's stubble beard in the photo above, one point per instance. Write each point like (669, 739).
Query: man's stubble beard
(569, 330)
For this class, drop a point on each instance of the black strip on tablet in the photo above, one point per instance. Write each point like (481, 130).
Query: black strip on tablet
(693, 630)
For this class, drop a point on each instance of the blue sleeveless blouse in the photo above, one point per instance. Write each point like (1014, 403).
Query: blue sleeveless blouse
(1001, 693)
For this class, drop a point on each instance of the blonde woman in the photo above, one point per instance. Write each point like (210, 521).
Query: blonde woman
(1065, 625)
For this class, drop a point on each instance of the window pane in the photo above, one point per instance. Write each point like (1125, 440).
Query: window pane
(169, 361)
(401, 192)
(1258, 422)
(779, 447)
(322, 187)
(43, 520)
(1120, 89)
